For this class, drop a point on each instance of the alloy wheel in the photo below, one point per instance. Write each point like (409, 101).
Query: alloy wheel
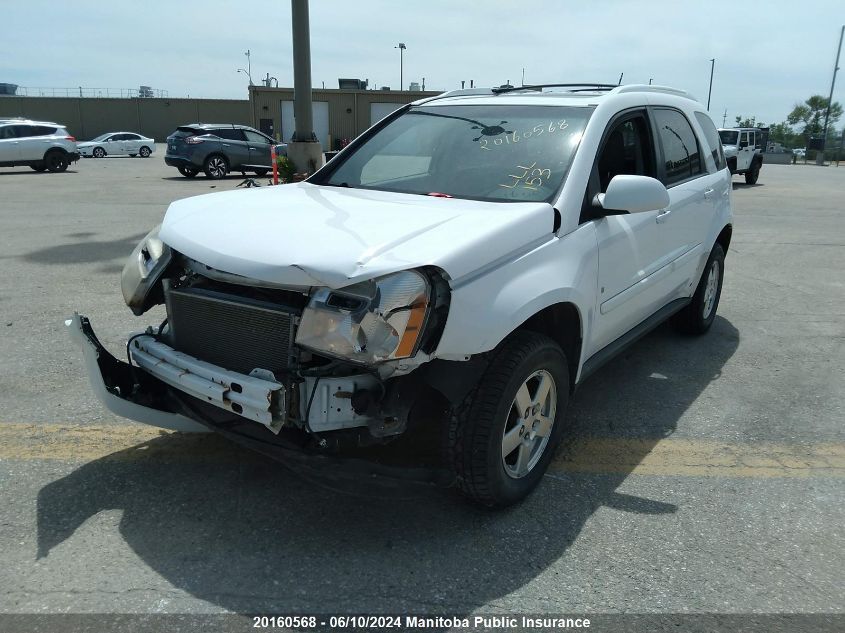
(529, 424)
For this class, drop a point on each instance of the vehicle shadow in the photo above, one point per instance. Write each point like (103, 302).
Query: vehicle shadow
(32, 172)
(84, 252)
(744, 185)
(236, 530)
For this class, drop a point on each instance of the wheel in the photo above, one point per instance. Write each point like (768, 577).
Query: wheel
(187, 172)
(215, 167)
(698, 315)
(132, 155)
(261, 172)
(501, 439)
(39, 167)
(752, 174)
(56, 160)
(144, 152)
(99, 152)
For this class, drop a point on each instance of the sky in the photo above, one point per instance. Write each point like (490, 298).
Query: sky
(769, 55)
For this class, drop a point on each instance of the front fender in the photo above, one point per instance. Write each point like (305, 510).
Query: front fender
(486, 309)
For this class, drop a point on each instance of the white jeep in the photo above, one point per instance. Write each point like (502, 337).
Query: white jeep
(743, 147)
(458, 270)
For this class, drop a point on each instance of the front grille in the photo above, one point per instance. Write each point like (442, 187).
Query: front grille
(236, 333)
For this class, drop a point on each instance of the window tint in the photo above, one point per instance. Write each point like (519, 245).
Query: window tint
(9, 131)
(712, 140)
(41, 130)
(626, 150)
(255, 137)
(130, 137)
(680, 149)
(232, 134)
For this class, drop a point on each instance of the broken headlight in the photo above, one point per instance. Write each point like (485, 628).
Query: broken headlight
(139, 280)
(370, 322)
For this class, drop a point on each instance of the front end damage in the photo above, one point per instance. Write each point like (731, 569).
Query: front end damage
(226, 359)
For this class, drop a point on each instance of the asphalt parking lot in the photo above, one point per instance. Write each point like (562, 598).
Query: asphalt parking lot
(700, 475)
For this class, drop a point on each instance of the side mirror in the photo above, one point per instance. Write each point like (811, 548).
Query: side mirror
(631, 194)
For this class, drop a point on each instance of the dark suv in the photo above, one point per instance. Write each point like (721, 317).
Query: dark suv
(218, 149)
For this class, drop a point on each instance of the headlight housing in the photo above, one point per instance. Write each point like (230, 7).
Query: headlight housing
(142, 272)
(370, 322)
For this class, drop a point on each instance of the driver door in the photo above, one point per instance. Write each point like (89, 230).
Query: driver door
(635, 250)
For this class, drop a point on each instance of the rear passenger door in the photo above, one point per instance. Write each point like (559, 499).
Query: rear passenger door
(234, 146)
(691, 191)
(259, 149)
(131, 143)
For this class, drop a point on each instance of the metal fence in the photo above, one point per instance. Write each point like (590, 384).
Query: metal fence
(126, 93)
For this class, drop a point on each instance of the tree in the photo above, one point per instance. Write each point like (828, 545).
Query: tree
(752, 122)
(811, 113)
(782, 133)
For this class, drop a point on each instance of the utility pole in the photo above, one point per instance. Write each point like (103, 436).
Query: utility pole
(304, 150)
(724, 117)
(830, 98)
(650, 80)
(248, 66)
(710, 91)
(619, 83)
(402, 49)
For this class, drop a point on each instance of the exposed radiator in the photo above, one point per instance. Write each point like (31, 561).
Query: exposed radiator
(233, 332)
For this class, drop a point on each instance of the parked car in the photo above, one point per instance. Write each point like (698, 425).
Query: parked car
(42, 145)
(800, 152)
(217, 149)
(458, 269)
(118, 143)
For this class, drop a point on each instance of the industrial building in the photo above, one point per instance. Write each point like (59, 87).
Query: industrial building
(338, 113)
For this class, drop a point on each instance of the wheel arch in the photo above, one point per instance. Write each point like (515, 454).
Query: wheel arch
(724, 237)
(562, 323)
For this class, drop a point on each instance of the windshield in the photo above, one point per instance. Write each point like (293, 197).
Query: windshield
(499, 153)
(101, 137)
(729, 137)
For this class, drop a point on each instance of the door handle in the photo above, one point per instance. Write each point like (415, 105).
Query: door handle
(708, 193)
(663, 215)
(225, 145)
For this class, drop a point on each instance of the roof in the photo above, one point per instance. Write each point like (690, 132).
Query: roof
(18, 119)
(557, 94)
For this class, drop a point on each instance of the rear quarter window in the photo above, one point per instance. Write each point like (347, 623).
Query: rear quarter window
(712, 142)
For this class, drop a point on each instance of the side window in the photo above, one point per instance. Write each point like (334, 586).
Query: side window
(8, 131)
(743, 140)
(229, 133)
(130, 137)
(255, 137)
(752, 139)
(681, 156)
(626, 150)
(711, 140)
(41, 130)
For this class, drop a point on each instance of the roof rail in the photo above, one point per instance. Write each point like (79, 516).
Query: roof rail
(576, 87)
(457, 93)
(651, 88)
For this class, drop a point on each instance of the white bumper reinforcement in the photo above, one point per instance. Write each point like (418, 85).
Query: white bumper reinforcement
(252, 397)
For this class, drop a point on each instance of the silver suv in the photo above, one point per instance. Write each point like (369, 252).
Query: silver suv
(40, 144)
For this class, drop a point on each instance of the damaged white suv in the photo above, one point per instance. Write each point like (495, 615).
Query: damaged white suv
(456, 271)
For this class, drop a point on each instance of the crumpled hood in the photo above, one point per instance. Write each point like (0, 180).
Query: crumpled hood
(307, 235)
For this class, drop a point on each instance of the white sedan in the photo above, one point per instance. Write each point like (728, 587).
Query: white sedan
(115, 143)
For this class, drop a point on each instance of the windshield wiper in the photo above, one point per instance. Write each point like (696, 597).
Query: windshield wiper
(339, 184)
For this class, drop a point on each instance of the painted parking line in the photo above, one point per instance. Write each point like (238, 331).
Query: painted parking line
(597, 455)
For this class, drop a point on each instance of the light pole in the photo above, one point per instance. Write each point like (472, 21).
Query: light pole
(248, 67)
(830, 98)
(710, 91)
(401, 48)
(246, 72)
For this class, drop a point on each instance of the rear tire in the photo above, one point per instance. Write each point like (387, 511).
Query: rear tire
(98, 152)
(144, 152)
(56, 161)
(188, 172)
(216, 167)
(699, 314)
(752, 174)
(501, 439)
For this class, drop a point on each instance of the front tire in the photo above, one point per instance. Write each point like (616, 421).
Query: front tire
(56, 161)
(699, 314)
(501, 439)
(145, 152)
(215, 167)
(99, 152)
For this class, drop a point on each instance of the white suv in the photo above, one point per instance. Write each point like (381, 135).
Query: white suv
(458, 269)
(40, 144)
